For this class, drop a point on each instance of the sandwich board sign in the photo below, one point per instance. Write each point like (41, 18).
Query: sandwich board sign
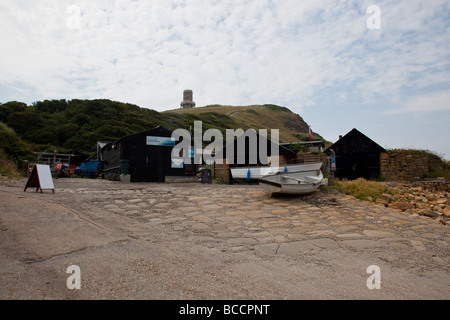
(41, 178)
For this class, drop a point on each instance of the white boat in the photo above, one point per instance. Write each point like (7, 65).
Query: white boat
(255, 173)
(303, 182)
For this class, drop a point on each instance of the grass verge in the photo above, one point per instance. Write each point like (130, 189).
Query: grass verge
(364, 189)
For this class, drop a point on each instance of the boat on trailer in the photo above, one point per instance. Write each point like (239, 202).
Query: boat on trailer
(255, 173)
(303, 182)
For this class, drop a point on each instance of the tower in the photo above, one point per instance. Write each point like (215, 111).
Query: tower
(187, 99)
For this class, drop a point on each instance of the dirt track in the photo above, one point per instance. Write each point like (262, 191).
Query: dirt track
(193, 241)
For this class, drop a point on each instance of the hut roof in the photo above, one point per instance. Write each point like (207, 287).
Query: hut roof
(355, 142)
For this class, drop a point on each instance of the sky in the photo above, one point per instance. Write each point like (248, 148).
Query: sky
(382, 67)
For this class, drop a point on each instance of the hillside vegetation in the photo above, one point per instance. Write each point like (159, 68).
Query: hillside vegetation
(11, 148)
(78, 124)
(292, 127)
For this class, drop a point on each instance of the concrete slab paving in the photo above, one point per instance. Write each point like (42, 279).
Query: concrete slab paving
(180, 241)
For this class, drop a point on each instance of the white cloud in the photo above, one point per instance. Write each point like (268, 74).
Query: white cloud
(425, 103)
(228, 52)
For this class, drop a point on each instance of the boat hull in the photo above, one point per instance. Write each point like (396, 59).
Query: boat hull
(255, 173)
(292, 183)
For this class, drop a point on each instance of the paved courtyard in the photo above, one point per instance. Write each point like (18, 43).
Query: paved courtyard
(194, 241)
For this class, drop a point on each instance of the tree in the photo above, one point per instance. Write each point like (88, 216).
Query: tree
(10, 107)
(25, 122)
(11, 143)
(65, 132)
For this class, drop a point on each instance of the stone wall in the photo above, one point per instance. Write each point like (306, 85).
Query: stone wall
(402, 165)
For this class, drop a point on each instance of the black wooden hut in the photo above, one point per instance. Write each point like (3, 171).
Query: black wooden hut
(357, 156)
(145, 156)
(251, 156)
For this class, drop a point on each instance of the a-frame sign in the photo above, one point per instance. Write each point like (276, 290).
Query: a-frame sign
(41, 178)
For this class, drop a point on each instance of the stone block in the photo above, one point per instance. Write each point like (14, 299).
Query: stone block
(428, 213)
(378, 234)
(361, 244)
(125, 178)
(446, 211)
(296, 247)
(401, 205)
(267, 248)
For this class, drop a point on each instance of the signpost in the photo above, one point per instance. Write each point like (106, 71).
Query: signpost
(41, 178)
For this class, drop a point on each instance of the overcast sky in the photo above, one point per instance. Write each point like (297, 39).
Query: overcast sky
(384, 71)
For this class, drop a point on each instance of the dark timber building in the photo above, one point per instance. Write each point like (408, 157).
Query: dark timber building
(252, 143)
(145, 156)
(357, 156)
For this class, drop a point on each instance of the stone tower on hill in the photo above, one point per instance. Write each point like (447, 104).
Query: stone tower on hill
(187, 99)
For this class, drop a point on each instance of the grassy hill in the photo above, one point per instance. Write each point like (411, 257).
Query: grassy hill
(292, 127)
(78, 124)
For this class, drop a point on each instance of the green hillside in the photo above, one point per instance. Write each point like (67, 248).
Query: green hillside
(291, 126)
(12, 147)
(78, 124)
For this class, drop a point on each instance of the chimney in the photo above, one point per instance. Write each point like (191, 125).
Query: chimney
(340, 137)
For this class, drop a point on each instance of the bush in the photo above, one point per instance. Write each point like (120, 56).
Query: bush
(274, 107)
(7, 166)
(12, 145)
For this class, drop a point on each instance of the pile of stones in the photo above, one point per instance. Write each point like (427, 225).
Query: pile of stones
(431, 199)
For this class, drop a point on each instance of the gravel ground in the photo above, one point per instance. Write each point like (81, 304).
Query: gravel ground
(194, 241)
